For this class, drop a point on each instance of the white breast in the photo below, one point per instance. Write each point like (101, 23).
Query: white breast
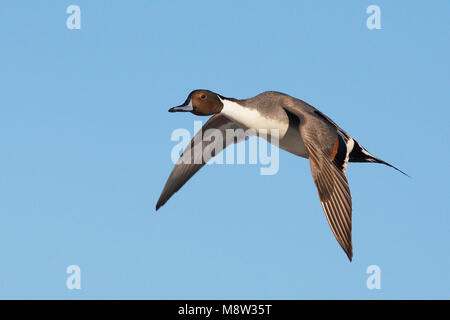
(252, 118)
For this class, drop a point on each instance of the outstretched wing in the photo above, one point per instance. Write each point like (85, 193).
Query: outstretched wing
(334, 194)
(206, 143)
(327, 151)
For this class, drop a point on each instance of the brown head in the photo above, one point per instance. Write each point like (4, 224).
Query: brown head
(201, 103)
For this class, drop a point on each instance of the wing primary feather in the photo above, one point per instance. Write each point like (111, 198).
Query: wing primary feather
(334, 196)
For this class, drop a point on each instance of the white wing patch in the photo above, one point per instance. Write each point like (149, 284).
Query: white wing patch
(350, 144)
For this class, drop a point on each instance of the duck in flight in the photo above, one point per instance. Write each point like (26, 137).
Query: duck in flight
(302, 130)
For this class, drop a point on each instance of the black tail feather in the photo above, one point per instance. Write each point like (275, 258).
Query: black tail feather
(390, 165)
(359, 154)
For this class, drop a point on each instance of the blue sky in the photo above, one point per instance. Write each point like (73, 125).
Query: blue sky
(85, 150)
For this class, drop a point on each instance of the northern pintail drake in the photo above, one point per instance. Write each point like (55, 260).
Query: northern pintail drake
(303, 131)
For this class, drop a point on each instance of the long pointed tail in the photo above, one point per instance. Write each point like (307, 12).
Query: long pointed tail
(359, 154)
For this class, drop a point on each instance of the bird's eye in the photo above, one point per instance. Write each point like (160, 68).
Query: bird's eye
(203, 97)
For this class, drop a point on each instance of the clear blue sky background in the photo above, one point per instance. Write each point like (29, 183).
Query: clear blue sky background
(85, 149)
